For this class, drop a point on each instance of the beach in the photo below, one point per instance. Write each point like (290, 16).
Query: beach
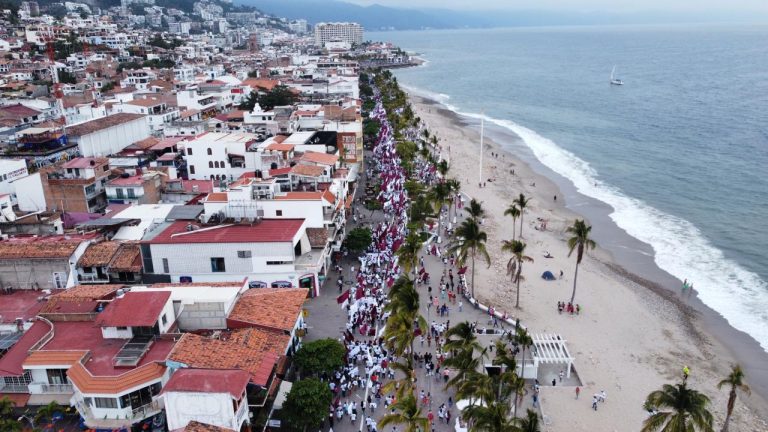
(630, 338)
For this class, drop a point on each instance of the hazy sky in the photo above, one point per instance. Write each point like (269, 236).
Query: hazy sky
(581, 5)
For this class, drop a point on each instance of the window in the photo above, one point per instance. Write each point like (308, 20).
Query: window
(244, 254)
(209, 151)
(166, 269)
(210, 164)
(278, 212)
(120, 193)
(122, 328)
(279, 262)
(191, 169)
(131, 193)
(164, 319)
(189, 152)
(217, 265)
(216, 164)
(222, 164)
(105, 402)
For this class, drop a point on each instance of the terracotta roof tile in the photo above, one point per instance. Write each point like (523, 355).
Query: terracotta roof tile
(196, 426)
(318, 237)
(252, 350)
(98, 254)
(55, 248)
(89, 292)
(320, 158)
(266, 231)
(217, 197)
(127, 258)
(56, 305)
(87, 383)
(232, 381)
(304, 196)
(54, 358)
(272, 308)
(134, 309)
(308, 170)
(280, 147)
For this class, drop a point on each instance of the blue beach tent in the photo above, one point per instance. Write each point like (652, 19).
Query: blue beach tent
(548, 275)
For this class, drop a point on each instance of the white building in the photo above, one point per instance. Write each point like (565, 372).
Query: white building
(11, 170)
(220, 156)
(338, 31)
(109, 135)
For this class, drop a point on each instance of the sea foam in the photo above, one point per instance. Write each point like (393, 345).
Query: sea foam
(680, 248)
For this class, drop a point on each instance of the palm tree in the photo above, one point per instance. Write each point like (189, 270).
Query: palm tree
(530, 423)
(461, 338)
(525, 341)
(442, 167)
(408, 252)
(407, 413)
(736, 381)
(521, 202)
(579, 242)
(454, 186)
(506, 360)
(438, 195)
(515, 263)
(493, 414)
(470, 240)
(513, 211)
(475, 210)
(47, 412)
(687, 410)
(8, 421)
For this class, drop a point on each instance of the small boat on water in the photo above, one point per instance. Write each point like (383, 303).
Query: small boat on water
(614, 80)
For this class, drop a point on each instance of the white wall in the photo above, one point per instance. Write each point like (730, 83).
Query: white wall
(9, 171)
(210, 408)
(114, 333)
(185, 259)
(29, 193)
(114, 139)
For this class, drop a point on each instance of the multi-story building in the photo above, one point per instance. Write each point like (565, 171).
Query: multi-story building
(109, 135)
(351, 33)
(77, 185)
(142, 188)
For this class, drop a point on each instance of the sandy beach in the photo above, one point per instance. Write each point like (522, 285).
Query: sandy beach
(628, 340)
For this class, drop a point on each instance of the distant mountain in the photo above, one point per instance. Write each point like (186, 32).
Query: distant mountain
(374, 17)
(377, 17)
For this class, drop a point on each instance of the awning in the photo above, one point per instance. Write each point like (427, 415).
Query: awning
(282, 394)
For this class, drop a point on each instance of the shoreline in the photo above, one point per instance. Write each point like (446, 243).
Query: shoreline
(702, 328)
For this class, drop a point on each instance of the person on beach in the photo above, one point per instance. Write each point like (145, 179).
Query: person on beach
(578, 390)
(594, 402)
(686, 372)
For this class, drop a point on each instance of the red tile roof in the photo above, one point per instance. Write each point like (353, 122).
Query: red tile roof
(302, 196)
(280, 147)
(127, 258)
(232, 381)
(217, 197)
(320, 158)
(89, 292)
(269, 308)
(85, 162)
(279, 171)
(102, 123)
(134, 309)
(196, 426)
(98, 254)
(10, 363)
(266, 231)
(88, 383)
(253, 350)
(41, 247)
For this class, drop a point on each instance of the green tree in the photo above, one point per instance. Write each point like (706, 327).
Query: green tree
(306, 405)
(525, 341)
(521, 202)
(680, 410)
(66, 77)
(46, 413)
(406, 413)
(322, 356)
(358, 239)
(462, 342)
(513, 212)
(8, 421)
(579, 241)
(530, 423)
(454, 186)
(438, 195)
(371, 127)
(442, 167)
(249, 102)
(408, 252)
(475, 210)
(469, 241)
(735, 381)
(515, 263)
(278, 96)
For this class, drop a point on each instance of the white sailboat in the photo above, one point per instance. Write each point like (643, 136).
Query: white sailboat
(614, 80)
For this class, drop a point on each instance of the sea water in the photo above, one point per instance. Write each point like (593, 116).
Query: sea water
(680, 152)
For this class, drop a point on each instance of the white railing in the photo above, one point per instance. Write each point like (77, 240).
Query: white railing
(57, 388)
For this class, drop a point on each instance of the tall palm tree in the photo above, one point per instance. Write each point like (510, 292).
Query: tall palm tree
(408, 252)
(515, 263)
(525, 341)
(506, 360)
(579, 241)
(461, 338)
(735, 381)
(475, 210)
(455, 187)
(406, 413)
(530, 423)
(493, 414)
(514, 212)
(8, 421)
(438, 195)
(470, 240)
(521, 202)
(687, 410)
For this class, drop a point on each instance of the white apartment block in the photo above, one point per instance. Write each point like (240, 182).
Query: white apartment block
(338, 31)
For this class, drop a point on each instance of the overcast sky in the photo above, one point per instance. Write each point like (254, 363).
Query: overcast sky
(581, 5)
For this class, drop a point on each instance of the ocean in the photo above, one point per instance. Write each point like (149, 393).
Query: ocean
(680, 152)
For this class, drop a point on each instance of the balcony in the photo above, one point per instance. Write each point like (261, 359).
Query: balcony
(45, 388)
(13, 388)
(122, 418)
(92, 278)
(147, 410)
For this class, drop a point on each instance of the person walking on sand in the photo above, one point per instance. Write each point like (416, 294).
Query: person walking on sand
(686, 372)
(578, 390)
(594, 402)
